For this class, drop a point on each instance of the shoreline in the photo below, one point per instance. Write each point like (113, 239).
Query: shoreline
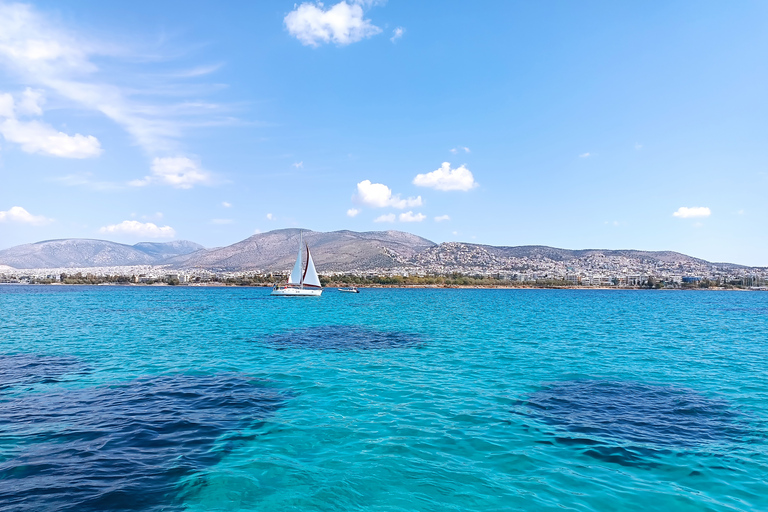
(403, 287)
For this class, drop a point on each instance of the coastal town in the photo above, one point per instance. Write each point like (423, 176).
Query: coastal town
(446, 264)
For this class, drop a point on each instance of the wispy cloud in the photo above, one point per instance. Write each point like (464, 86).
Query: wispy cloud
(85, 179)
(83, 72)
(458, 149)
(446, 178)
(139, 229)
(685, 212)
(397, 34)
(584, 155)
(341, 24)
(17, 214)
(270, 216)
(442, 218)
(378, 195)
(225, 204)
(299, 165)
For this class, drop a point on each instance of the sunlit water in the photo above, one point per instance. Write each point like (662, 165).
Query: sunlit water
(128, 398)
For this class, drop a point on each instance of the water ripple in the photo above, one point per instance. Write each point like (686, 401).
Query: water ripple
(343, 337)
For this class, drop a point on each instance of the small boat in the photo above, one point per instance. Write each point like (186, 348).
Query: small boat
(349, 289)
(303, 281)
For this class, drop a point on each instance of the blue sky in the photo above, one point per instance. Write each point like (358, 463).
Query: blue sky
(573, 124)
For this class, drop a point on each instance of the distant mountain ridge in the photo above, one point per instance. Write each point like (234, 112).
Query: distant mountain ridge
(337, 251)
(333, 251)
(84, 252)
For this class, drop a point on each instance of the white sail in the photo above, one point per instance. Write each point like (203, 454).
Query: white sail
(297, 268)
(310, 276)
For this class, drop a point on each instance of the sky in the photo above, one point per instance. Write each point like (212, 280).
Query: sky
(574, 124)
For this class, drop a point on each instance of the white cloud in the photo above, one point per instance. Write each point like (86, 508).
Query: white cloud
(446, 178)
(221, 221)
(54, 61)
(390, 217)
(397, 34)
(20, 215)
(441, 218)
(299, 165)
(270, 216)
(37, 137)
(378, 195)
(638, 147)
(459, 148)
(226, 204)
(685, 212)
(584, 155)
(178, 172)
(411, 217)
(140, 229)
(352, 212)
(341, 24)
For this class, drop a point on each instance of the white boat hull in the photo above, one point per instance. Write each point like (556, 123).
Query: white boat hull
(297, 292)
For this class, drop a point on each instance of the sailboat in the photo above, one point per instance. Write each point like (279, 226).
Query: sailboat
(303, 281)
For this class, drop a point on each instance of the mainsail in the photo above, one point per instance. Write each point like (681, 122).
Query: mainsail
(297, 268)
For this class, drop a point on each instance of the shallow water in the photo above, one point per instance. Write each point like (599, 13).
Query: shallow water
(139, 398)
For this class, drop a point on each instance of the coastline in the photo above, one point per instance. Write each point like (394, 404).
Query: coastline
(404, 287)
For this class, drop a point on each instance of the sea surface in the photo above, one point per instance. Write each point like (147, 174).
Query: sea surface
(214, 399)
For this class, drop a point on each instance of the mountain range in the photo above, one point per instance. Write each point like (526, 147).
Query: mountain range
(338, 251)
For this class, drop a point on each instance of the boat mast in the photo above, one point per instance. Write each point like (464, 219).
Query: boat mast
(301, 239)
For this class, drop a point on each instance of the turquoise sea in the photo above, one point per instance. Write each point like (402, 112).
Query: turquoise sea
(200, 399)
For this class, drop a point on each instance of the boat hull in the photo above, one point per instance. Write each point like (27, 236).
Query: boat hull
(297, 292)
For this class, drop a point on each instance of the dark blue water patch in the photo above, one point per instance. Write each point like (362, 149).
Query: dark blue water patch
(631, 423)
(124, 447)
(26, 369)
(343, 337)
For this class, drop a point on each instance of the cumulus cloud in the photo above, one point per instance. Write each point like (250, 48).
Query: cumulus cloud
(411, 217)
(441, 218)
(38, 137)
(139, 229)
(22, 216)
(390, 217)
(178, 172)
(397, 34)
(352, 212)
(378, 195)
(270, 216)
(685, 212)
(446, 178)
(341, 24)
